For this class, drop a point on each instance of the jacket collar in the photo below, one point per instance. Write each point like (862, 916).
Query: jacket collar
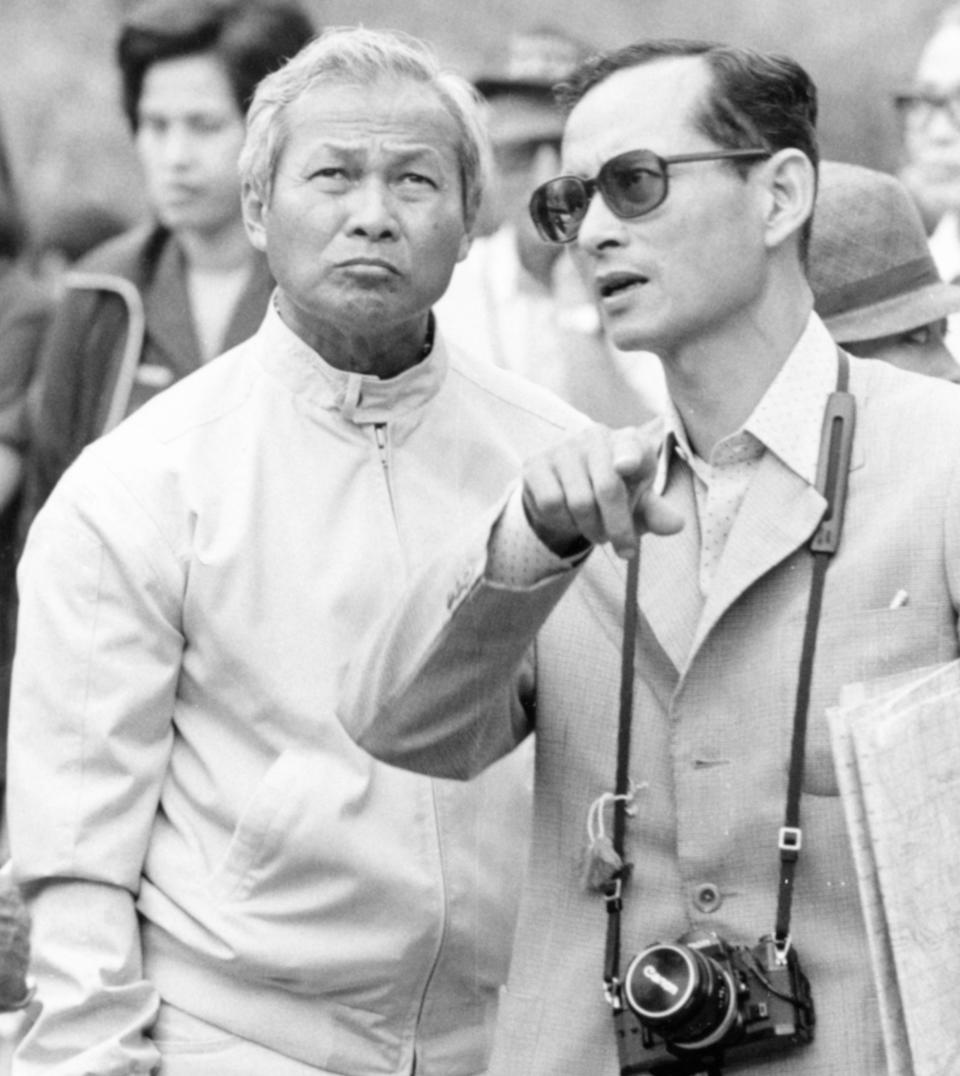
(360, 398)
(166, 307)
(166, 303)
(779, 514)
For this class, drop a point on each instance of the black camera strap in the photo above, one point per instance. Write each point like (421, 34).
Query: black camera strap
(833, 467)
(613, 891)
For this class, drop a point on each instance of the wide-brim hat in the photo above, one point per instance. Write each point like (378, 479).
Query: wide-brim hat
(870, 265)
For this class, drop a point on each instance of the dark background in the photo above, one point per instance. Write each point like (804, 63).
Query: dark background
(59, 101)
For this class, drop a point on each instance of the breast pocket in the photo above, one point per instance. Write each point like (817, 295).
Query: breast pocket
(859, 646)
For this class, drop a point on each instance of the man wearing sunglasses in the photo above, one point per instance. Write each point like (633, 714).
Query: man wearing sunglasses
(689, 176)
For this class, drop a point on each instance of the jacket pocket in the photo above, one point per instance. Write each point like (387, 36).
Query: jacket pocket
(260, 828)
(332, 876)
(855, 647)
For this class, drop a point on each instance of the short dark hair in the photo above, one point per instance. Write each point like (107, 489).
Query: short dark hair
(251, 38)
(757, 98)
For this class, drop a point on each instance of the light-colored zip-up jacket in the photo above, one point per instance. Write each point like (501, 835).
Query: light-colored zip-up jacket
(180, 784)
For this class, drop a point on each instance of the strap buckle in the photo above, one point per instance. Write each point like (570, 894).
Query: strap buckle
(613, 894)
(790, 842)
(781, 949)
(613, 994)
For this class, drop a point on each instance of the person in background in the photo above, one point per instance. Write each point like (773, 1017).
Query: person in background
(67, 233)
(221, 882)
(25, 311)
(689, 183)
(154, 304)
(24, 315)
(517, 301)
(875, 283)
(930, 115)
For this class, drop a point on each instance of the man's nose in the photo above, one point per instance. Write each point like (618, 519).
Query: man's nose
(177, 145)
(600, 227)
(372, 209)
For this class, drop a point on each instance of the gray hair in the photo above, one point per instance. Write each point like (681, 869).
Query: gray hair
(361, 56)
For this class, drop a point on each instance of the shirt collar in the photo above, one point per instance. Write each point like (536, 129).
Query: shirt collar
(788, 419)
(361, 398)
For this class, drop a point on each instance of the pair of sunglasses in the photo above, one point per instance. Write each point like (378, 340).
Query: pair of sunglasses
(631, 185)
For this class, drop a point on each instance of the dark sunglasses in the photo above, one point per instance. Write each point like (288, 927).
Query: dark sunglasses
(631, 185)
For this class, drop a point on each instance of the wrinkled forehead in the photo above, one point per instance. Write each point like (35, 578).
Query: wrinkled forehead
(654, 106)
(394, 111)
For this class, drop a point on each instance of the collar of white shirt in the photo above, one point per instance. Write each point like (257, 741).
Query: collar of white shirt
(788, 419)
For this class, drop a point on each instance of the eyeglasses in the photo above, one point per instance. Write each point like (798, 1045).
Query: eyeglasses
(630, 184)
(918, 106)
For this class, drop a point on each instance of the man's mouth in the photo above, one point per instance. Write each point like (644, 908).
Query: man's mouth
(369, 264)
(615, 283)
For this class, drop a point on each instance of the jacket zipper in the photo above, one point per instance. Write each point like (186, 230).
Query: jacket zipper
(444, 927)
(380, 436)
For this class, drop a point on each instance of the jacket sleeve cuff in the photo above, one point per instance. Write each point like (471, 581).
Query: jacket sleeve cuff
(515, 555)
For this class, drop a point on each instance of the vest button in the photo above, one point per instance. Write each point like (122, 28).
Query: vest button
(707, 897)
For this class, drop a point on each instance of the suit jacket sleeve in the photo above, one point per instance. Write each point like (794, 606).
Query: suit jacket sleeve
(446, 684)
(72, 374)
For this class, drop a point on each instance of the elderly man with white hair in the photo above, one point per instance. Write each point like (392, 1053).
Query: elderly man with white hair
(222, 883)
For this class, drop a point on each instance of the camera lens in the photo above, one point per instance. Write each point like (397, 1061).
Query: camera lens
(683, 995)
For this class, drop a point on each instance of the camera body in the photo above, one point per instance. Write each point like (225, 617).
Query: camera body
(690, 1004)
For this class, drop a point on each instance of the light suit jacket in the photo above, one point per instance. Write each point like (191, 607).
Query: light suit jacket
(467, 667)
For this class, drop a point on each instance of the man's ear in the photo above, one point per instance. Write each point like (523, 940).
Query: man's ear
(255, 211)
(466, 242)
(791, 186)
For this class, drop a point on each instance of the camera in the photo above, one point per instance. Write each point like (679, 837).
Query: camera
(690, 1004)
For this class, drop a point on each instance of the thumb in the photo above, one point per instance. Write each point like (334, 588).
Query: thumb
(653, 514)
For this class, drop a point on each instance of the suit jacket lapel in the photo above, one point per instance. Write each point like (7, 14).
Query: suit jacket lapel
(170, 326)
(167, 307)
(670, 598)
(779, 514)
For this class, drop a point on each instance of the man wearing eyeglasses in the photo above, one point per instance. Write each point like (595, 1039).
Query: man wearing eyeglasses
(689, 183)
(930, 114)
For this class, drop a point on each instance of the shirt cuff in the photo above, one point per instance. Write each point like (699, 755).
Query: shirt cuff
(515, 555)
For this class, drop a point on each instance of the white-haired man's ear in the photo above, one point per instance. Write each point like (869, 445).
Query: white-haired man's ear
(254, 213)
